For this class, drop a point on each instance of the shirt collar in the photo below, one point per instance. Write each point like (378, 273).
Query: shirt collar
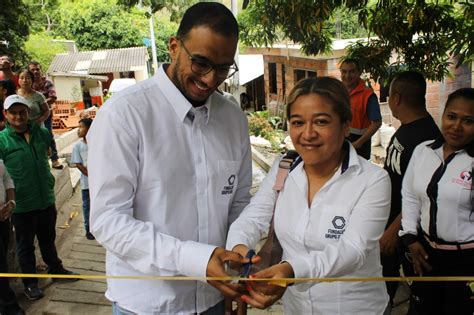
(174, 96)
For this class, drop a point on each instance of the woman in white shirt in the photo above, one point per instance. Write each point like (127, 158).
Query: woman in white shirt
(437, 209)
(328, 217)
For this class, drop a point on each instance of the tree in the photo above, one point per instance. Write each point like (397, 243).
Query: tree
(423, 34)
(41, 48)
(44, 14)
(99, 25)
(14, 29)
(176, 8)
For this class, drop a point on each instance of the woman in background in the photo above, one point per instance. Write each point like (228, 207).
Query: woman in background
(39, 111)
(437, 209)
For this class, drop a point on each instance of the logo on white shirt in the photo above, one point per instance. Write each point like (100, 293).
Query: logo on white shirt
(229, 189)
(339, 224)
(465, 179)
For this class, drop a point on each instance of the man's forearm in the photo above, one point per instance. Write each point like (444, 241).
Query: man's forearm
(370, 131)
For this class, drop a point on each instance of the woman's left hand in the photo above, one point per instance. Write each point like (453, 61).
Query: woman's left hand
(263, 294)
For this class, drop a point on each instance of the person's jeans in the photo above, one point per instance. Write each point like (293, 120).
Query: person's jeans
(42, 224)
(217, 309)
(86, 205)
(48, 124)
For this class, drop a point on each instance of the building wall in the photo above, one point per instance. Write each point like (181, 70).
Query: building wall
(437, 92)
(68, 88)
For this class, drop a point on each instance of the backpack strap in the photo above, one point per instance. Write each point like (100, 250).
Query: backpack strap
(286, 165)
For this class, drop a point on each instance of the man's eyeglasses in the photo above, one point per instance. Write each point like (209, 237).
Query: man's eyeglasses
(202, 66)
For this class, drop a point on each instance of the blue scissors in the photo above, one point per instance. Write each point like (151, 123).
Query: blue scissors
(246, 267)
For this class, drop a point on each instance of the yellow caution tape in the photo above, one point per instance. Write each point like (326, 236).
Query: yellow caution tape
(276, 281)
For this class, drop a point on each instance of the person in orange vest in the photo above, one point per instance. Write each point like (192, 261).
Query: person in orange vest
(366, 117)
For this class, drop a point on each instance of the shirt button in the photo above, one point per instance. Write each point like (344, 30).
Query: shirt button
(199, 160)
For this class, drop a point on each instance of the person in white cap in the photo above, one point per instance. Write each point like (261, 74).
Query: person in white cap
(24, 148)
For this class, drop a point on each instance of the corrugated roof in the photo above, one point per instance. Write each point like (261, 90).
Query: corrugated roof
(101, 61)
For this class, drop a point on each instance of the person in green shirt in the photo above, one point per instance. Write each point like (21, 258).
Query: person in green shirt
(24, 149)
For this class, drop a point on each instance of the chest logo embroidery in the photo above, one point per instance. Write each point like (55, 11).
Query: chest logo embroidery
(229, 189)
(339, 224)
(464, 179)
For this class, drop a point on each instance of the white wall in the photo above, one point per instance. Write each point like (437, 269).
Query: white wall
(65, 87)
(141, 75)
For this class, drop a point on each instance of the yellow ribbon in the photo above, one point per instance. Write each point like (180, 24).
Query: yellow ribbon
(274, 280)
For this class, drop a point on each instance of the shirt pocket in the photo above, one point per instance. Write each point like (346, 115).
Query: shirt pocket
(227, 180)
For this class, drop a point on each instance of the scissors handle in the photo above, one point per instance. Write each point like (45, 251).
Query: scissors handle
(246, 266)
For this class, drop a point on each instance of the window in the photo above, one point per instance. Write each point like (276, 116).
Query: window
(272, 77)
(301, 74)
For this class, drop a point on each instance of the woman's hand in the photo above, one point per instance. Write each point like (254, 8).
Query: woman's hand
(263, 294)
(420, 258)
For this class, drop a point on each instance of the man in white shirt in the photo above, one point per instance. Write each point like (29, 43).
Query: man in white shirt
(170, 166)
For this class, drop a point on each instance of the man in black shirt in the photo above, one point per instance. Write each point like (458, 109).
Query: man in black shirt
(407, 103)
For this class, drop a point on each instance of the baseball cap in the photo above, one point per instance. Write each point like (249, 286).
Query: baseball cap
(15, 99)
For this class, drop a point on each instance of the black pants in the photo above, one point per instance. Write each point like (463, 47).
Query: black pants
(42, 224)
(6, 293)
(365, 149)
(446, 298)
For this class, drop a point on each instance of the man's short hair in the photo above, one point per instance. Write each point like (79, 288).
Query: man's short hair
(34, 63)
(214, 15)
(353, 61)
(411, 86)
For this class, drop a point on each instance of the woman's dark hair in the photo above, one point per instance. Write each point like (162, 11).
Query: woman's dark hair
(467, 94)
(214, 15)
(330, 88)
(86, 121)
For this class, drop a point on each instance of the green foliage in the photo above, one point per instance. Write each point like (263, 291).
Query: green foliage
(260, 125)
(99, 25)
(41, 48)
(44, 14)
(175, 8)
(164, 29)
(14, 29)
(344, 24)
(303, 21)
(423, 33)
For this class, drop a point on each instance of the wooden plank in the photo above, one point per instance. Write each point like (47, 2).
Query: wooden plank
(84, 285)
(86, 248)
(84, 266)
(76, 296)
(86, 256)
(66, 308)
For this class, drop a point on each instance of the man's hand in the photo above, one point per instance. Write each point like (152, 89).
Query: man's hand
(216, 268)
(263, 294)
(356, 144)
(389, 240)
(6, 211)
(420, 258)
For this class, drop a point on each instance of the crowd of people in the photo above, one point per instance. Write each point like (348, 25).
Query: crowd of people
(27, 196)
(171, 196)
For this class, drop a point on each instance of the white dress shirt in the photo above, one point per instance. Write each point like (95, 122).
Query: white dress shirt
(338, 236)
(453, 217)
(164, 190)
